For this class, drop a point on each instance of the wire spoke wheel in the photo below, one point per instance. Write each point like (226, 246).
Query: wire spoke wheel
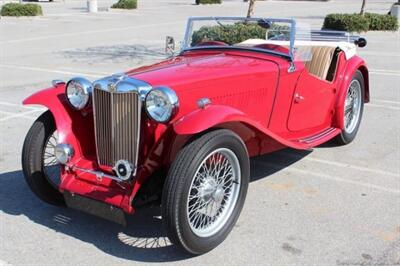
(213, 192)
(51, 168)
(205, 191)
(352, 106)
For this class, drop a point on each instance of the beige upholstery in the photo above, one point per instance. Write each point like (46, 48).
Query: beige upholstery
(321, 60)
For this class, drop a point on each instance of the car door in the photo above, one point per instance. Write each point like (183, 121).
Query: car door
(312, 103)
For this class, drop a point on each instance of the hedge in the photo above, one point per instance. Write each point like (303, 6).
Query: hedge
(125, 4)
(18, 10)
(236, 33)
(198, 2)
(382, 22)
(360, 23)
(346, 22)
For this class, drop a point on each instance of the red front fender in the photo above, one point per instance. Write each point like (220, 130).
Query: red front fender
(213, 115)
(67, 120)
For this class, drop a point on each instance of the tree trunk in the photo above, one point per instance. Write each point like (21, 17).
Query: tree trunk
(363, 7)
(250, 11)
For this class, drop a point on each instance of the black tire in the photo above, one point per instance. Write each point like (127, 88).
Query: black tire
(178, 184)
(32, 160)
(346, 137)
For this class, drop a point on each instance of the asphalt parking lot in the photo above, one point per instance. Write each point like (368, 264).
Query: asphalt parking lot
(329, 206)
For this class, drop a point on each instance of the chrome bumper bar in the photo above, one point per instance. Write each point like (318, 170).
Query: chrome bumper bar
(99, 175)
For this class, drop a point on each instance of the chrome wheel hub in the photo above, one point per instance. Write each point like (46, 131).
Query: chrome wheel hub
(213, 193)
(352, 106)
(207, 190)
(218, 195)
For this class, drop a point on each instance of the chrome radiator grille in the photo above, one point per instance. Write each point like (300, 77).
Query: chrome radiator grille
(117, 126)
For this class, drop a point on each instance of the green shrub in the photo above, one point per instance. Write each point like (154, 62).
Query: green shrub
(236, 33)
(125, 4)
(382, 22)
(346, 22)
(18, 10)
(360, 23)
(198, 2)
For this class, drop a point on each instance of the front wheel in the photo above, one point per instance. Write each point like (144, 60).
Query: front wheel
(41, 170)
(205, 191)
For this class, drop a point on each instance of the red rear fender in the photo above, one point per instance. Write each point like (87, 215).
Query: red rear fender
(354, 64)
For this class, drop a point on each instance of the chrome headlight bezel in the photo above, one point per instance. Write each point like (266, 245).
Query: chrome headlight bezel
(169, 100)
(78, 92)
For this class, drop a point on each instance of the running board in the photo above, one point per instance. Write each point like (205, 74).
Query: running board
(319, 138)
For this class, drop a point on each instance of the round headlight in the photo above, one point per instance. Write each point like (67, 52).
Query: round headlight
(78, 92)
(161, 104)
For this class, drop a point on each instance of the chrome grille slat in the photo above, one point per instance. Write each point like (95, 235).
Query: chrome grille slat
(117, 126)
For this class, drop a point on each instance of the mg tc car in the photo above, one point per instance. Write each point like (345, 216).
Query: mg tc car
(180, 132)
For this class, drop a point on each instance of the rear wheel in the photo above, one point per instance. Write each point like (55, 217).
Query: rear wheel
(205, 191)
(41, 170)
(353, 109)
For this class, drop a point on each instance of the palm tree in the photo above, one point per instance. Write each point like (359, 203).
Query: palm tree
(250, 11)
(363, 7)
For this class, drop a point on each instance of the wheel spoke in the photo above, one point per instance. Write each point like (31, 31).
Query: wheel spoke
(213, 192)
(51, 167)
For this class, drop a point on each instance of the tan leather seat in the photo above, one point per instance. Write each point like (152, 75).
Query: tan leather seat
(321, 60)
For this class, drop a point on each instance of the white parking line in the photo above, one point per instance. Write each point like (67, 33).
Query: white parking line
(384, 72)
(383, 106)
(21, 105)
(21, 115)
(62, 72)
(82, 33)
(379, 54)
(386, 101)
(344, 165)
(336, 179)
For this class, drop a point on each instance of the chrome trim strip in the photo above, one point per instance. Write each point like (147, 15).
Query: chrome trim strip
(95, 125)
(120, 83)
(318, 136)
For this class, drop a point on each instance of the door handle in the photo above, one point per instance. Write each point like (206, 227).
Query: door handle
(298, 98)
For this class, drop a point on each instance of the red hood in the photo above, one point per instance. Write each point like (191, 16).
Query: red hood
(198, 70)
(233, 79)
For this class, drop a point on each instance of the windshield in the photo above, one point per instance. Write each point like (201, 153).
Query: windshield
(273, 35)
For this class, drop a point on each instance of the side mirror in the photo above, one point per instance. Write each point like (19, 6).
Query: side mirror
(264, 24)
(169, 45)
(361, 42)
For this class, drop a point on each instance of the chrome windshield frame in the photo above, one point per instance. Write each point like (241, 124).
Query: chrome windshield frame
(189, 27)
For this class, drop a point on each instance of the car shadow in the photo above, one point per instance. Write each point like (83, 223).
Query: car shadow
(264, 166)
(142, 240)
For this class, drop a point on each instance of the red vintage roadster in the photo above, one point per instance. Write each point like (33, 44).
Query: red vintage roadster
(182, 131)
